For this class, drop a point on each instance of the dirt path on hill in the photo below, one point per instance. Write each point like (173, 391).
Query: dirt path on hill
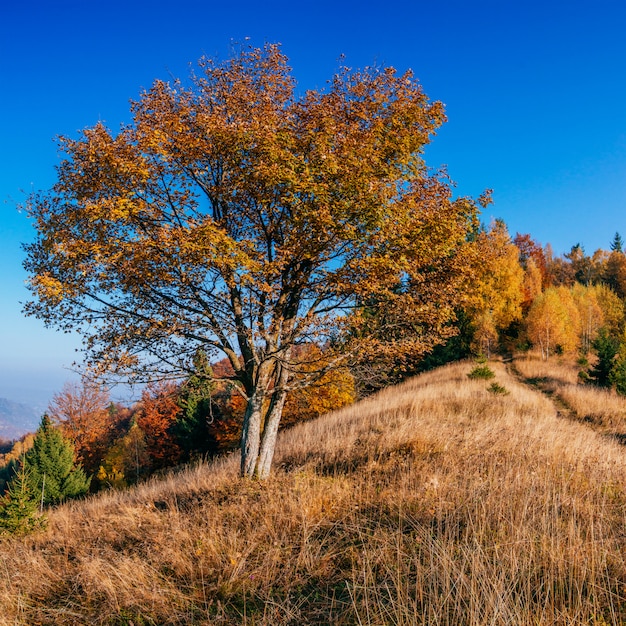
(548, 387)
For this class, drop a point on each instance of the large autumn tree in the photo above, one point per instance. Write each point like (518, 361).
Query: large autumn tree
(240, 216)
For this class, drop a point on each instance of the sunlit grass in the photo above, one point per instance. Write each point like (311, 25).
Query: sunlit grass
(435, 502)
(601, 407)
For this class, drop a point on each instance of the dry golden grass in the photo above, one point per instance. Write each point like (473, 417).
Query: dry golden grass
(561, 369)
(435, 502)
(603, 408)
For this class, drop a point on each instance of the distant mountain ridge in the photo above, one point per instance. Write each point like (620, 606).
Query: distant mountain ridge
(16, 419)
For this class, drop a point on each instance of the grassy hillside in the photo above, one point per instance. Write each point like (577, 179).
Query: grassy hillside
(436, 502)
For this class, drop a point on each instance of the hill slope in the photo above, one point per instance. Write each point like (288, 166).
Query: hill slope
(435, 502)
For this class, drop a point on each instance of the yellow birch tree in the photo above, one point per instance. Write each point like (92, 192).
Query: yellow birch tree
(553, 322)
(590, 314)
(495, 294)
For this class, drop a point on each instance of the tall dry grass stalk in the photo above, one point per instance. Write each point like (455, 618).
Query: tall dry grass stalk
(433, 503)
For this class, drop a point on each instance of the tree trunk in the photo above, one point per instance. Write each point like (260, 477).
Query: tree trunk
(272, 419)
(270, 434)
(251, 435)
(260, 423)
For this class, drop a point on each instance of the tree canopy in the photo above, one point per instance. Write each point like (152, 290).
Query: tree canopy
(238, 216)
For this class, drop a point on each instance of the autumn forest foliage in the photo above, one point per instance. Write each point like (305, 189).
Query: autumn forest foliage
(520, 297)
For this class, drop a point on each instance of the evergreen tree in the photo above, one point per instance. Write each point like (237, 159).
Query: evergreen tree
(50, 463)
(617, 375)
(456, 348)
(198, 410)
(7, 472)
(606, 348)
(617, 245)
(19, 512)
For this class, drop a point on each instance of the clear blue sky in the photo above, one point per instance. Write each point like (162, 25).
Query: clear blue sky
(535, 94)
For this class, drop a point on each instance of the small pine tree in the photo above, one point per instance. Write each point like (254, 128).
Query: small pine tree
(50, 463)
(482, 370)
(19, 510)
(606, 348)
(617, 245)
(617, 375)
